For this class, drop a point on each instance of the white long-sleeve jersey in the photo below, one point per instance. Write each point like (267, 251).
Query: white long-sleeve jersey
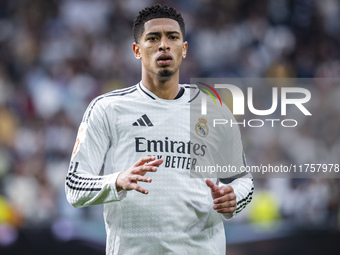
(177, 216)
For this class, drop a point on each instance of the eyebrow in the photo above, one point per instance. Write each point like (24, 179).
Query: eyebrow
(167, 33)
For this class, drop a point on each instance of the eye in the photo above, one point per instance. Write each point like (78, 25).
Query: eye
(174, 37)
(152, 38)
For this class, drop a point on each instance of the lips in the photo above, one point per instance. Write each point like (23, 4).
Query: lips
(164, 59)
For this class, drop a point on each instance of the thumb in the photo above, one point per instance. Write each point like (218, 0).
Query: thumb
(212, 185)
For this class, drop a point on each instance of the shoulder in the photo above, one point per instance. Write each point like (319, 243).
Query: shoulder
(100, 103)
(115, 96)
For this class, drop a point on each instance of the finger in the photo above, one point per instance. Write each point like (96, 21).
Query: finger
(212, 186)
(144, 160)
(140, 178)
(142, 170)
(227, 189)
(222, 191)
(227, 204)
(156, 162)
(225, 198)
(217, 194)
(227, 210)
(139, 189)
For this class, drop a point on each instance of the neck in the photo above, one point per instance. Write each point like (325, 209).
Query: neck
(165, 88)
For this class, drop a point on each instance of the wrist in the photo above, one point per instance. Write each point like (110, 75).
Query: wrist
(118, 187)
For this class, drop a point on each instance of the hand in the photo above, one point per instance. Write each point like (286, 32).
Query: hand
(224, 197)
(128, 179)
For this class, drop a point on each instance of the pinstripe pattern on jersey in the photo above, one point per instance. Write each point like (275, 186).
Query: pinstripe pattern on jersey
(76, 182)
(119, 92)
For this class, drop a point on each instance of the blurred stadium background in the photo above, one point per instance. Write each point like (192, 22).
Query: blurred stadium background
(55, 56)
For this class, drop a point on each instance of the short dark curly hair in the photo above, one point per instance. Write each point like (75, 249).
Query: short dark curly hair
(155, 12)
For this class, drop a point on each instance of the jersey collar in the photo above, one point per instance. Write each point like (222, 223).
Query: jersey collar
(151, 95)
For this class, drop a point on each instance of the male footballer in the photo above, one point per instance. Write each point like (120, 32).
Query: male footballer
(133, 149)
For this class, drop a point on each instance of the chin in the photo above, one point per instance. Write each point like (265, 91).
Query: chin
(165, 73)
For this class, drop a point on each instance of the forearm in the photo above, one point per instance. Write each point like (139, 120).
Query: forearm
(84, 189)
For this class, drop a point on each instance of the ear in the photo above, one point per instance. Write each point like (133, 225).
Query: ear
(136, 50)
(185, 48)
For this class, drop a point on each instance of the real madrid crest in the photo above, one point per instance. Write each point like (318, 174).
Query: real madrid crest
(201, 127)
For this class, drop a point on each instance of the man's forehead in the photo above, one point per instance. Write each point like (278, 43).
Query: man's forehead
(161, 24)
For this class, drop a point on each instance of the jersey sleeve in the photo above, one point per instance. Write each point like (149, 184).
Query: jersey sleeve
(84, 184)
(243, 189)
(242, 183)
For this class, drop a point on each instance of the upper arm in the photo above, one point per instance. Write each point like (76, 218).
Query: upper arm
(93, 139)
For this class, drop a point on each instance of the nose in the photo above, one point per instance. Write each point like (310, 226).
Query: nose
(164, 46)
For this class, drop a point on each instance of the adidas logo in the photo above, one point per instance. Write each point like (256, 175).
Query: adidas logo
(143, 121)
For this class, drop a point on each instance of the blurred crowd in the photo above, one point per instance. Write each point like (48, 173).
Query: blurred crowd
(56, 56)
